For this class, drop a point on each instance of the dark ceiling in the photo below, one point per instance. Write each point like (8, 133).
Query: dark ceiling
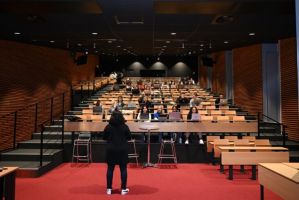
(144, 27)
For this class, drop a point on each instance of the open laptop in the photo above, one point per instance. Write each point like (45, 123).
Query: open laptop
(175, 116)
(195, 117)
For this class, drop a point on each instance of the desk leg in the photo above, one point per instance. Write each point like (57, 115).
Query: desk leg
(148, 163)
(253, 177)
(230, 172)
(73, 135)
(10, 184)
(221, 168)
(242, 169)
(262, 192)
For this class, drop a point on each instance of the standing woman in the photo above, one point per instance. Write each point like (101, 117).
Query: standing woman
(117, 133)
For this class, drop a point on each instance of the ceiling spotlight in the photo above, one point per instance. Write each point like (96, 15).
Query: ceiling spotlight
(51, 41)
(109, 41)
(164, 46)
(190, 53)
(79, 44)
(125, 49)
(167, 41)
(201, 45)
(94, 45)
(94, 33)
(118, 46)
(251, 34)
(173, 33)
(17, 33)
(200, 49)
(225, 42)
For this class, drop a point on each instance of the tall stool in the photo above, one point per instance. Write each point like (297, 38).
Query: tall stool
(134, 153)
(83, 141)
(162, 155)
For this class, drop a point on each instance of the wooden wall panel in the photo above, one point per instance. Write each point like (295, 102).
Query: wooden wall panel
(289, 87)
(247, 76)
(203, 74)
(218, 73)
(33, 74)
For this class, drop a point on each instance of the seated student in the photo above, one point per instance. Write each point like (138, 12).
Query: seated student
(97, 108)
(182, 100)
(195, 101)
(113, 107)
(144, 114)
(159, 112)
(174, 115)
(193, 115)
(120, 103)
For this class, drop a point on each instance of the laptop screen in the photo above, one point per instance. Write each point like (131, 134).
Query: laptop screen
(195, 117)
(175, 116)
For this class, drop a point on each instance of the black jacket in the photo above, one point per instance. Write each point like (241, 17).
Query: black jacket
(117, 136)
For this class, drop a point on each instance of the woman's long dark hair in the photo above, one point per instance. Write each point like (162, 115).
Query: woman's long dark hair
(190, 112)
(116, 118)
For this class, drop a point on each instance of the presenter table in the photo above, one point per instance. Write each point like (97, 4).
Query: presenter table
(281, 178)
(148, 127)
(8, 182)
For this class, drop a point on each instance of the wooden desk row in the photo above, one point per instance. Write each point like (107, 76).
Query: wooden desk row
(203, 127)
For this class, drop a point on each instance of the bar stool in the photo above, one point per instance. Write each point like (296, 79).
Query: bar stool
(162, 155)
(83, 141)
(134, 153)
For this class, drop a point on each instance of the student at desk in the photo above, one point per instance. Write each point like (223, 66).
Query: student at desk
(97, 108)
(193, 115)
(144, 115)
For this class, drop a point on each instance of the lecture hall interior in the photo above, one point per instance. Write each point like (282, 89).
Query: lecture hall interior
(208, 89)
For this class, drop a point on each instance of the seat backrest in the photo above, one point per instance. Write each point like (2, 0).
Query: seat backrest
(250, 138)
(211, 138)
(206, 118)
(262, 142)
(217, 143)
(242, 142)
(231, 137)
(222, 118)
(216, 112)
(238, 118)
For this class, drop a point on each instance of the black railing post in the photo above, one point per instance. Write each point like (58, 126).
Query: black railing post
(88, 90)
(15, 130)
(35, 122)
(62, 132)
(51, 112)
(93, 87)
(81, 93)
(283, 135)
(258, 124)
(42, 128)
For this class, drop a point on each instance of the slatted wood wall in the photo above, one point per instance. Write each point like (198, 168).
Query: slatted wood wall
(289, 87)
(202, 74)
(218, 73)
(33, 74)
(247, 77)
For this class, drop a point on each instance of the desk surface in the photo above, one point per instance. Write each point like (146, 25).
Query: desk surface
(293, 165)
(283, 169)
(252, 148)
(7, 170)
(168, 126)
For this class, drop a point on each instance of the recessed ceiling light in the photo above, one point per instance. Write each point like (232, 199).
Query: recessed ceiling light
(109, 41)
(173, 33)
(201, 45)
(79, 44)
(118, 46)
(167, 41)
(225, 42)
(125, 49)
(251, 34)
(17, 33)
(201, 49)
(164, 46)
(94, 33)
(51, 41)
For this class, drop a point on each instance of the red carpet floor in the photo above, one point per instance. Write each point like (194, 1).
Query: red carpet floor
(187, 181)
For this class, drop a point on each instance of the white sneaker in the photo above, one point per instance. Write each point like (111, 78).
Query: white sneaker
(109, 191)
(124, 192)
(187, 142)
(200, 141)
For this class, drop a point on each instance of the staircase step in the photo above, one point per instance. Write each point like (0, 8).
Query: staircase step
(47, 143)
(52, 135)
(53, 128)
(30, 154)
